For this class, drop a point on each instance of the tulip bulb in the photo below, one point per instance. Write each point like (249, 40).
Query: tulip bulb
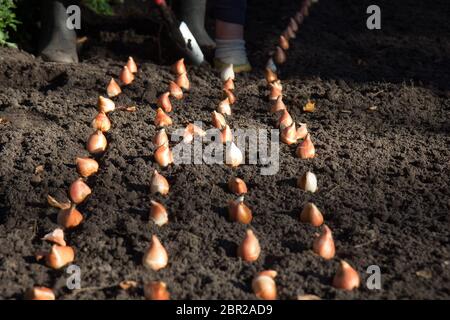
(101, 122)
(228, 85)
(279, 56)
(156, 290)
(161, 139)
(289, 134)
(234, 156)
(306, 150)
(237, 186)
(227, 73)
(283, 43)
(278, 105)
(178, 67)
(276, 90)
(196, 130)
(96, 143)
(285, 120)
(126, 76)
(183, 82)
(159, 184)
(299, 17)
(59, 256)
(158, 213)
(305, 10)
(277, 84)
(308, 182)
(131, 65)
(324, 245)
(224, 107)
(69, 218)
(218, 120)
(175, 90)
(264, 286)
(302, 131)
(289, 33)
(162, 119)
(293, 24)
(239, 212)
(105, 105)
(308, 297)
(226, 135)
(164, 102)
(40, 293)
(270, 75)
(249, 249)
(113, 89)
(190, 131)
(230, 95)
(155, 257)
(311, 214)
(78, 191)
(346, 277)
(163, 156)
(86, 166)
(56, 204)
(56, 236)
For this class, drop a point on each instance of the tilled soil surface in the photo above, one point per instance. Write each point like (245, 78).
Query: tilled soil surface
(381, 130)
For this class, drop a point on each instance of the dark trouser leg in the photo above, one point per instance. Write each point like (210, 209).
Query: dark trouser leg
(57, 42)
(231, 11)
(193, 13)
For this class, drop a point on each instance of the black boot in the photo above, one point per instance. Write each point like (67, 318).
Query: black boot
(57, 42)
(193, 13)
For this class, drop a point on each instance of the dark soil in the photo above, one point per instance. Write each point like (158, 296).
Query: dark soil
(383, 174)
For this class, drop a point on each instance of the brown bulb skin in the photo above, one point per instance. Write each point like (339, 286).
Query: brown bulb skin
(239, 212)
(86, 166)
(78, 191)
(306, 149)
(39, 293)
(311, 214)
(113, 89)
(69, 218)
(126, 76)
(346, 277)
(156, 290)
(97, 143)
(249, 250)
(279, 56)
(59, 256)
(237, 186)
(324, 244)
(264, 286)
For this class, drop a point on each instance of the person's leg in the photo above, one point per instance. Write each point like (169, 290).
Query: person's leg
(57, 42)
(230, 43)
(193, 13)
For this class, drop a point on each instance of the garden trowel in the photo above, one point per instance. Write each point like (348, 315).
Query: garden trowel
(180, 34)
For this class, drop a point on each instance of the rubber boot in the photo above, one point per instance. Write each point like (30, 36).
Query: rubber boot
(57, 42)
(193, 13)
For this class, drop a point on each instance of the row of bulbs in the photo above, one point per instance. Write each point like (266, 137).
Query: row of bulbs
(69, 216)
(156, 256)
(346, 277)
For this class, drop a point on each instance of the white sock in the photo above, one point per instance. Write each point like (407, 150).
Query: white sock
(231, 51)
